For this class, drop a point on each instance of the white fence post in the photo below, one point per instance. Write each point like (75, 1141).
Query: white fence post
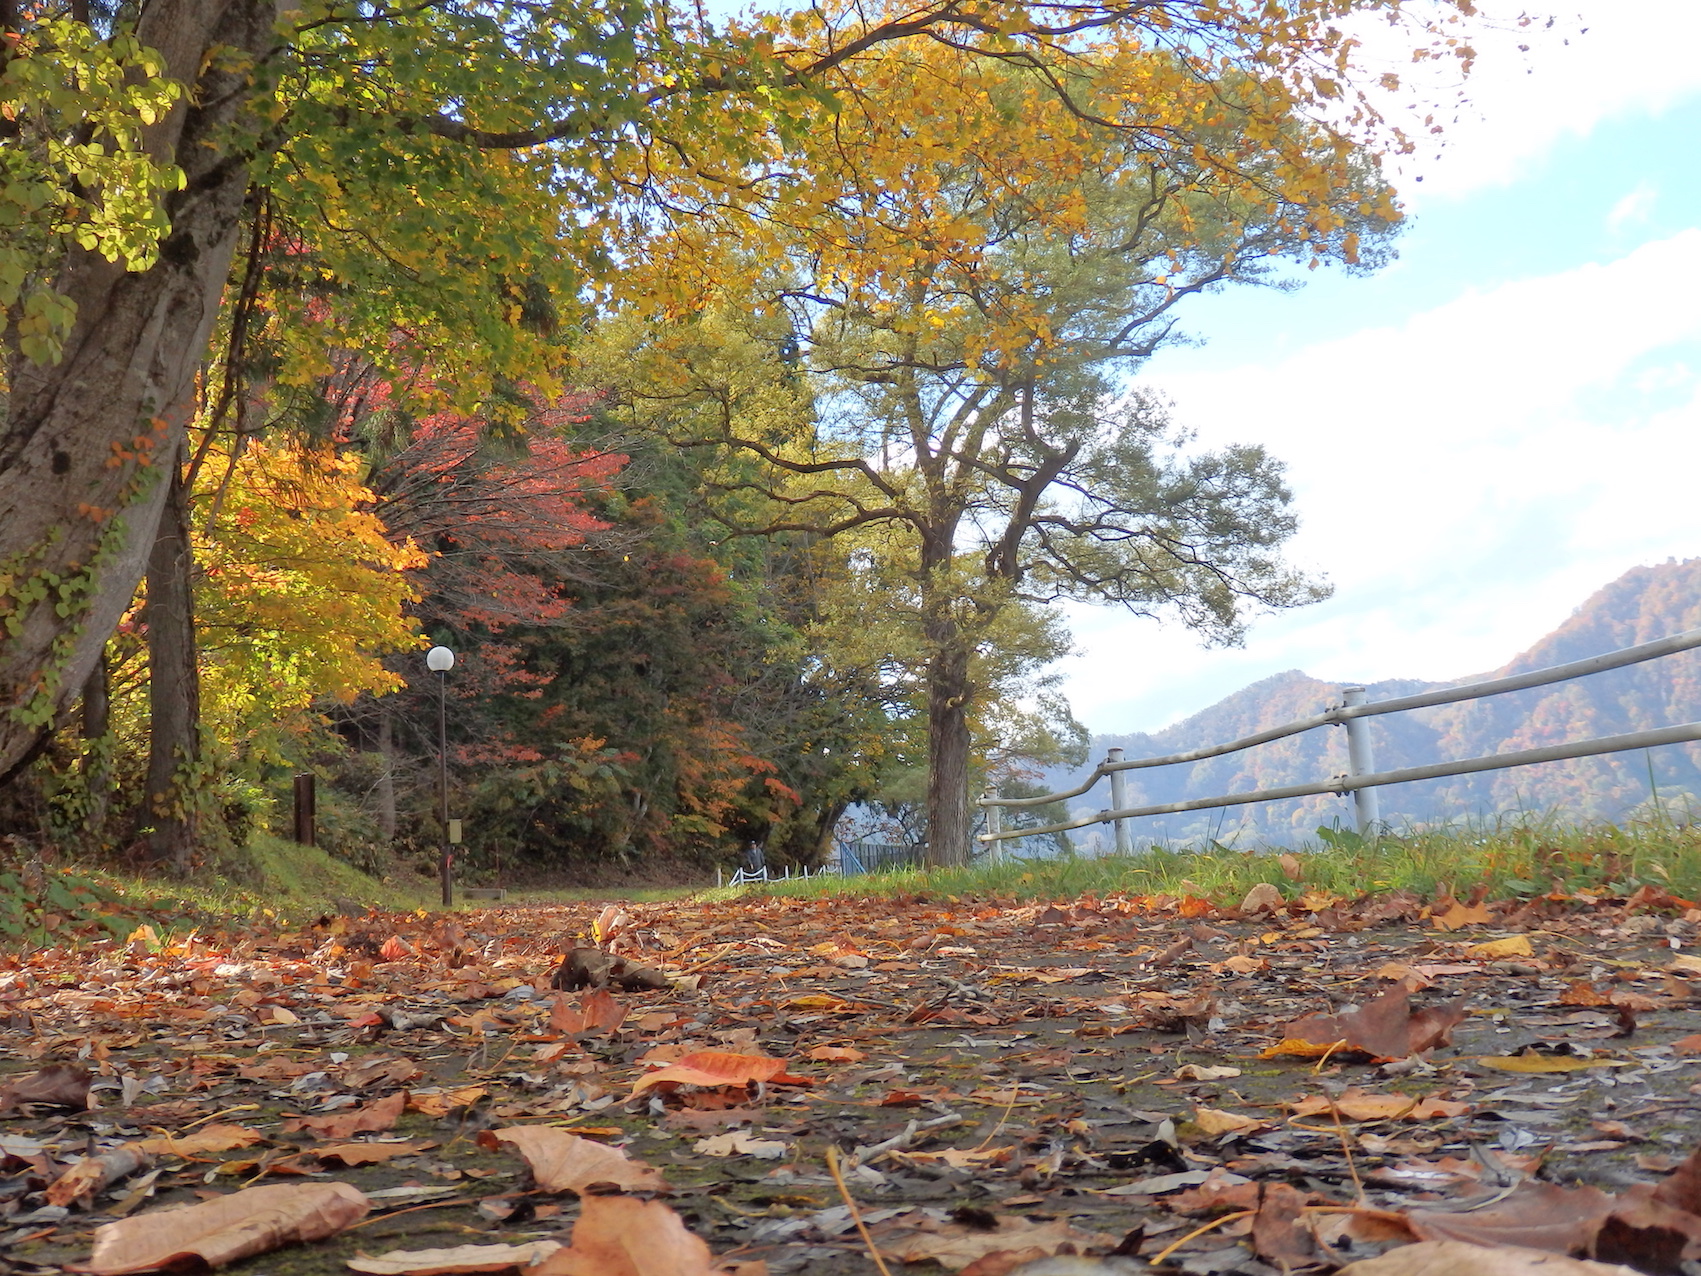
(1367, 803)
(1119, 802)
(994, 826)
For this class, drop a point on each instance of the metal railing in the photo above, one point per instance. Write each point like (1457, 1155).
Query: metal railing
(856, 858)
(1362, 779)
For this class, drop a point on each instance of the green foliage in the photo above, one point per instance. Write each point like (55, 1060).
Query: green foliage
(49, 905)
(78, 171)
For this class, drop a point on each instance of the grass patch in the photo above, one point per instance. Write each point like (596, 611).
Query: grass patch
(1513, 858)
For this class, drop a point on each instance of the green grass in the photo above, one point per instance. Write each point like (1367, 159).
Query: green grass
(1526, 857)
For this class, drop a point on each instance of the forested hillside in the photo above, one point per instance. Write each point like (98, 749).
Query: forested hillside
(1643, 604)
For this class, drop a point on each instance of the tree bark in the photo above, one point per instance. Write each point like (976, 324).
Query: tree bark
(82, 448)
(174, 684)
(948, 748)
(97, 751)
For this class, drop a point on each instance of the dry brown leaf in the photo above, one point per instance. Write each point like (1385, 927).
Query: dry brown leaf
(624, 1236)
(1214, 1121)
(462, 1258)
(1461, 915)
(381, 1070)
(381, 1115)
(741, 1143)
(595, 1012)
(444, 1102)
(1454, 1258)
(1536, 1215)
(917, 1236)
(93, 1173)
(563, 1162)
(59, 1085)
(212, 1138)
(1291, 866)
(1279, 1235)
(366, 1153)
(1361, 1105)
(226, 1228)
(1262, 898)
(1385, 1028)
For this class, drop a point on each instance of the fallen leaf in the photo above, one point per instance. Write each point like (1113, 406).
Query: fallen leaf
(835, 1054)
(1262, 898)
(366, 1153)
(1454, 1258)
(563, 1162)
(59, 1085)
(1278, 1234)
(93, 1173)
(1582, 993)
(381, 1115)
(395, 948)
(378, 1070)
(741, 1143)
(919, 1235)
(714, 1068)
(1461, 915)
(1495, 949)
(212, 1138)
(253, 1221)
(462, 1258)
(1535, 1215)
(1290, 866)
(1385, 1027)
(596, 1012)
(624, 1236)
(1214, 1121)
(1538, 1063)
(1360, 1105)
(1202, 1072)
(444, 1102)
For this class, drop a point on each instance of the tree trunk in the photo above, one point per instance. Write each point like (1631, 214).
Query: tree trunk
(948, 748)
(174, 684)
(386, 775)
(82, 448)
(97, 748)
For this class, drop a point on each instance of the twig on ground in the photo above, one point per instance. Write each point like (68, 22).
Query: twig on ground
(856, 1214)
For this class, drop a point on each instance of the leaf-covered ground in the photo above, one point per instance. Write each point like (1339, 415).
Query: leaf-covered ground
(1287, 1085)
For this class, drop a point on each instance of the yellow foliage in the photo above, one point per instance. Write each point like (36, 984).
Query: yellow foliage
(300, 591)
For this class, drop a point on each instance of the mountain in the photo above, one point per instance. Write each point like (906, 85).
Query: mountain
(1644, 604)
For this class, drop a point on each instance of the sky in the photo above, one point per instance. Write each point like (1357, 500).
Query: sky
(1491, 428)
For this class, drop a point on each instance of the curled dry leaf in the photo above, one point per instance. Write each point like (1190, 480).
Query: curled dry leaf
(1262, 898)
(1496, 949)
(1213, 1121)
(1385, 1028)
(563, 1162)
(226, 1228)
(462, 1258)
(741, 1143)
(59, 1085)
(595, 1012)
(366, 1153)
(342, 1125)
(1454, 1258)
(593, 968)
(93, 1173)
(624, 1236)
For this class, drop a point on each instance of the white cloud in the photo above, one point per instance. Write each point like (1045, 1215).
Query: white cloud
(1635, 209)
(1600, 60)
(1465, 478)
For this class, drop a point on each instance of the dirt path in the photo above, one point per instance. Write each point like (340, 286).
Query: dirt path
(1091, 1072)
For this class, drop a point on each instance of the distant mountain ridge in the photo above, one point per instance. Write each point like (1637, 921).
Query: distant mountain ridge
(1644, 604)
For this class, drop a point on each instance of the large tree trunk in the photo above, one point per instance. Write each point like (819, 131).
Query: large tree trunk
(174, 684)
(84, 442)
(948, 748)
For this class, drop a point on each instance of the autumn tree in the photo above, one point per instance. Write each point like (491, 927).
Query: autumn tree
(394, 133)
(977, 257)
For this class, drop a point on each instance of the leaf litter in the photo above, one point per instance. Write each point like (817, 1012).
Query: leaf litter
(1300, 1083)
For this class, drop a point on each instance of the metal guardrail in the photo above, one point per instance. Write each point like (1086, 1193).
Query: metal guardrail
(1362, 779)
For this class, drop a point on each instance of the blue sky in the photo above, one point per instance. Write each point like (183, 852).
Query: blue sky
(1496, 425)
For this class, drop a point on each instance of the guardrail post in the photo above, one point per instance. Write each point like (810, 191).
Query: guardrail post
(1119, 802)
(994, 825)
(1367, 803)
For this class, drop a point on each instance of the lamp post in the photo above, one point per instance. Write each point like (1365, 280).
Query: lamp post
(440, 660)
